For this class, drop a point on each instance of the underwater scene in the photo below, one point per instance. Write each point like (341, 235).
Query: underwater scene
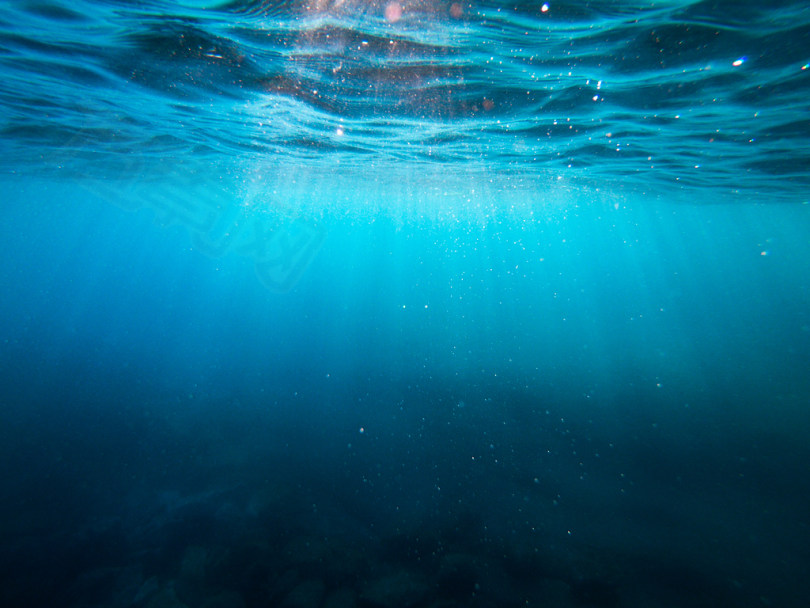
(404, 304)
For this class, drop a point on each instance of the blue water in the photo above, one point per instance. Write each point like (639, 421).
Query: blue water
(410, 304)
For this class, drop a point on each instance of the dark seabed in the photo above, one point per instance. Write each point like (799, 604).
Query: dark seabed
(409, 303)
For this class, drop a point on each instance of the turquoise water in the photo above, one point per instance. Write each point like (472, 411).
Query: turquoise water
(341, 304)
